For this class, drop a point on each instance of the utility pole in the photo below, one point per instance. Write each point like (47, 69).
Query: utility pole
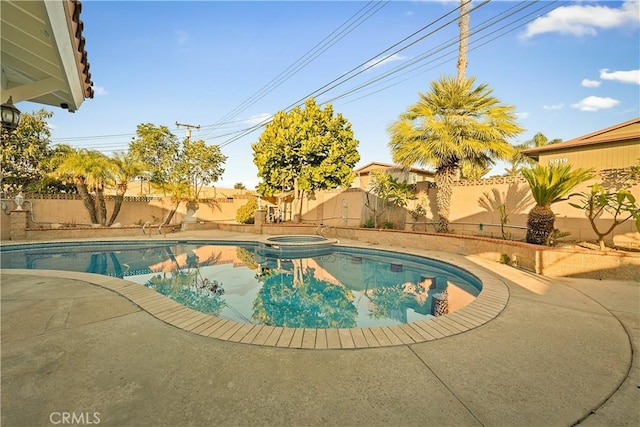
(189, 127)
(464, 39)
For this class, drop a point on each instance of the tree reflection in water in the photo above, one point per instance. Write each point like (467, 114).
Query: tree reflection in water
(297, 299)
(188, 287)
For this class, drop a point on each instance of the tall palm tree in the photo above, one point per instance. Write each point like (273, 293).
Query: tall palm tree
(455, 123)
(548, 185)
(126, 168)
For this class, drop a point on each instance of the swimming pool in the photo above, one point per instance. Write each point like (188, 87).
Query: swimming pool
(344, 288)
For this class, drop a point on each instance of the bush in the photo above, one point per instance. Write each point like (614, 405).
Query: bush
(246, 213)
(369, 223)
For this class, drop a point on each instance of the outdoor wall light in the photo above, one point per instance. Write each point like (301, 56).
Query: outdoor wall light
(10, 115)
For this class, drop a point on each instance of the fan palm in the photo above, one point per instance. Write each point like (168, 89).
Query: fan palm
(548, 185)
(126, 168)
(455, 123)
(89, 170)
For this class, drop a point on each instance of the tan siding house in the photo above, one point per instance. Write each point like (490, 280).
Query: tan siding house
(616, 147)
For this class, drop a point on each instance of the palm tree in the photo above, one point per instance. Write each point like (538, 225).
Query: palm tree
(548, 185)
(89, 170)
(126, 168)
(455, 123)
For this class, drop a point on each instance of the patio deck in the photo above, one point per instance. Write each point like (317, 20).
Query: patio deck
(562, 351)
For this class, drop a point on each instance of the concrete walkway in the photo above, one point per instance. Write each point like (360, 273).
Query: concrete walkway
(563, 351)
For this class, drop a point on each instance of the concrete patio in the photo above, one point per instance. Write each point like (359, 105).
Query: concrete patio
(563, 351)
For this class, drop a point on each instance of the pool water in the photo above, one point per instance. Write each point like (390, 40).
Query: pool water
(339, 288)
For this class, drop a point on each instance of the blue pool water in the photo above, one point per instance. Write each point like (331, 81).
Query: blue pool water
(338, 288)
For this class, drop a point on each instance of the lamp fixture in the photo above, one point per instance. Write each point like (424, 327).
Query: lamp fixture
(10, 115)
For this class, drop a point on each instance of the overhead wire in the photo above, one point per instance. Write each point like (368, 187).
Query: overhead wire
(412, 65)
(409, 67)
(348, 26)
(362, 15)
(368, 64)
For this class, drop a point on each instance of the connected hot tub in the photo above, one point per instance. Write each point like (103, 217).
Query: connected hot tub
(292, 245)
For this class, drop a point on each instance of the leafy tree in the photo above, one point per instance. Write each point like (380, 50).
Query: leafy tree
(456, 122)
(25, 154)
(548, 185)
(180, 170)
(305, 150)
(239, 186)
(246, 213)
(621, 205)
(199, 165)
(389, 191)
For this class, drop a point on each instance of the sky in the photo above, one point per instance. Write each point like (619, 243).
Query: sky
(569, 68)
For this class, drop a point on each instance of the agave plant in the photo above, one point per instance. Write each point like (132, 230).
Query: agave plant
(548, 185)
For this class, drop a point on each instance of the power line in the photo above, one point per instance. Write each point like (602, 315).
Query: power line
(406, 68)
(370, 63)
(396, 72)
(334, 37)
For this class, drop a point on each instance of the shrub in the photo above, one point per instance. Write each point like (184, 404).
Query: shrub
(369, 223)
(246, 213)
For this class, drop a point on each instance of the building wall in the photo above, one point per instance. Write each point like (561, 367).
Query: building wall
(599, 157)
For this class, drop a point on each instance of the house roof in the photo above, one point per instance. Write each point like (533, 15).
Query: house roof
(379, 165)
(43, 53)
(625, 131)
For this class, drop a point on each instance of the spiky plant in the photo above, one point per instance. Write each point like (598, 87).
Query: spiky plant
(548, 185)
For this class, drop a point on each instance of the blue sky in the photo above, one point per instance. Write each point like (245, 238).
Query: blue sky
(569, 68)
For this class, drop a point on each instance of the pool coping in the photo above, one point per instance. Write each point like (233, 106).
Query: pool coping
(489, 303)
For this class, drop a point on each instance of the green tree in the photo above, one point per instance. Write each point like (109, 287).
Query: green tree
(305, 150)
(388, 190)
(180, 170)
(246, 213)
(25, 153)
(548, 185)
(456, 122)
(621, 205)
(199, 165)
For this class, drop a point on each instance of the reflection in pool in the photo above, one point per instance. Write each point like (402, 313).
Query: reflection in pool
(339, 288)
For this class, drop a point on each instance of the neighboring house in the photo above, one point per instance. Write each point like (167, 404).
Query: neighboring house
(43, 55)
(410, 175)
(616, 147)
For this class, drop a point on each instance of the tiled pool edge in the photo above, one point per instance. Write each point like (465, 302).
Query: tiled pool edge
(488, 305)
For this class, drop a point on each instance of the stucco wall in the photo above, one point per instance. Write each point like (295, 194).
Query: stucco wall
(473, 203)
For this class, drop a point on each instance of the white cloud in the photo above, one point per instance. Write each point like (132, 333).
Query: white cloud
(181, 37)
(553, 107)
(595, 103)
(378, 62)
(584, 19)
(524, 115)
(258, 118)
(631, 76)
(99, 90)
(590, 83)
